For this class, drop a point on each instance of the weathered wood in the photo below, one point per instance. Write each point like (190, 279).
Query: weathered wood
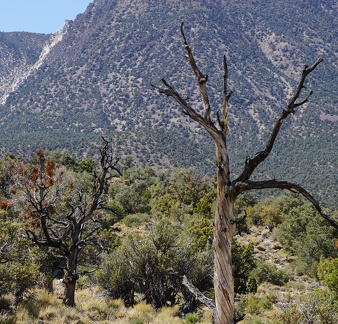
(227, 190)
(198, 295)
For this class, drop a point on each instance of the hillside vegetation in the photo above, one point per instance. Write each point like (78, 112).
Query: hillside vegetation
(95, 80)
(151, 228)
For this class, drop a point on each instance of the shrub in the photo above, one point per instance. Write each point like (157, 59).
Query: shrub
(255, 305)
(136, 320)
(328, 272)
(192, 318)
(115, 277)
(243, 261)
(319, 306)
(265, 272)
(308, 236)
(153, 264)
(133, 220)
(267, 212)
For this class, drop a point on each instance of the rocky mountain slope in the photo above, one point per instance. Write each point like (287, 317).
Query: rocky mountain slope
(18, 53)
(95, 80)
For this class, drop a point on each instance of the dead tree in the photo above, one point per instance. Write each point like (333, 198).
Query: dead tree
(228, 189)
(64, 220)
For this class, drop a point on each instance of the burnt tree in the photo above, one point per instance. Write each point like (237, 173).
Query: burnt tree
(62, 217)
(227, 188)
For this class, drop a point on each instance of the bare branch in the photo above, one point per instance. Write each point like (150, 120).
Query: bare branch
(305, 73)
(226, 96)
(191, 112)
(47, 242)
(201, 78)
(274, 184)
(89, 235)
(251, 164)
(99, 181)
(57, 221)
(198, 295)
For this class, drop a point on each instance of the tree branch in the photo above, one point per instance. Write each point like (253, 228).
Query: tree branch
(198, 295)
(201, 78)
(107, 163)
(226, 97)
(89, 235)
(274, 184)
(191, 112)
(48, 243)
(251, 164)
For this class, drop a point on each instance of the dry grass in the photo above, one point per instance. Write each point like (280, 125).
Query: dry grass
(91, 307)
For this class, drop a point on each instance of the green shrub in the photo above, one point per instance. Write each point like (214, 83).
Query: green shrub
(328, 272)
(270, 211)
(265, 272)
(153, 264)
(305, 234)
(136, 320)
(133, 220)
(243, 263)
(256, 305)
(192, 318)
(255, 319)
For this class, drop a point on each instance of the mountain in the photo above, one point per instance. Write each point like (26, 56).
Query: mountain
(93, 78)
(18, 53)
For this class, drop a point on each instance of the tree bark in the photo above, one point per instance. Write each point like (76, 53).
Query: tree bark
(223, 276)
(70, 278)
(198, 295)
(224, 228)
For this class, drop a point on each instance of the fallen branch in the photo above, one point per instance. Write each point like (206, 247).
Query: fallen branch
(198, 295)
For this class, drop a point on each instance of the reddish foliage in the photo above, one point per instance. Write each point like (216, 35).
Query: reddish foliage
(5, 204)
(49, 165)
(36, 174)
(28, 215)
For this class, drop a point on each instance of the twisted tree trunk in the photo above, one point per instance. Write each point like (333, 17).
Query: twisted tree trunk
(224, 228)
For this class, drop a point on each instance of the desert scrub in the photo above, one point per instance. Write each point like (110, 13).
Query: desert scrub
(257, 305)
(319, 306)
(265, 272)
(134, 220)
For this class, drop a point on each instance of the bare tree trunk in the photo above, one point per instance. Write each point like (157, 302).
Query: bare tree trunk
(227, 190)
(223, 277)
(69, 293)
(71, 278)
(224, 228)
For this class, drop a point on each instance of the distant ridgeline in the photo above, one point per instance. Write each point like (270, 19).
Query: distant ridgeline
(93, 78)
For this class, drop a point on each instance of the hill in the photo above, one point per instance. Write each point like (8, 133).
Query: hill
(94, 79)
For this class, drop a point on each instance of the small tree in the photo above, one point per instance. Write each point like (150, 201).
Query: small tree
(328, 272)
(62, 214)
(229, 189)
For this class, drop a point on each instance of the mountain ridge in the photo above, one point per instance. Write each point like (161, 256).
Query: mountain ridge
(96, 81)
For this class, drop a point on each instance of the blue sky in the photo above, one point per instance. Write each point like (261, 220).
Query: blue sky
(38, 16)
